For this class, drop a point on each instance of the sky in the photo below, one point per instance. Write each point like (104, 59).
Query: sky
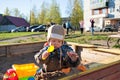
(24, 6)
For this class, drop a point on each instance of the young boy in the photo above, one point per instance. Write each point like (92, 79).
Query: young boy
(61, 57)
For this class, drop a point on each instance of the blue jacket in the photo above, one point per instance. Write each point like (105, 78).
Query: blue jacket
(68, 25)
(53, 60)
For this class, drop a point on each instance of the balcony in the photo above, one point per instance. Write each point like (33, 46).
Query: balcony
(99, 15)
(99, 5)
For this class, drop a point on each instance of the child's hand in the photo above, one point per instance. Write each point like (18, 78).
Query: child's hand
(45, 55)
(74, 56)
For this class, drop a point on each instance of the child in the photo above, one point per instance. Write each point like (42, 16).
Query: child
(61, 57)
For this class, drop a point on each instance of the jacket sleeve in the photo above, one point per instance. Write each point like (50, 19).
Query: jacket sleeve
(72, 63)
(38, 56)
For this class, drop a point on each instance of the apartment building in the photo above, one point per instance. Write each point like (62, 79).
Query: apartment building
(104, 12)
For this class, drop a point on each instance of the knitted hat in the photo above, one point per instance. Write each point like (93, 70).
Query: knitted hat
(56, 31)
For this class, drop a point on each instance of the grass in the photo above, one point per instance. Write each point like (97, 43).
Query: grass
(17, 34)
(117, 46)
(86, 37)
(76, 37)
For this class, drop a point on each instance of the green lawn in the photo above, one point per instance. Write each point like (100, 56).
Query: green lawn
(86, 37)
(17, 34)
(76, 37)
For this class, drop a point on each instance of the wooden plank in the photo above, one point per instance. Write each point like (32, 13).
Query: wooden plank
(113, 51)
(14, 49)
(96, 73)
(41, 42)
(100, 73)
(82, 45)
(2, 51)
(20, 49)
(114, 76)
(114, 36)
(36, 46)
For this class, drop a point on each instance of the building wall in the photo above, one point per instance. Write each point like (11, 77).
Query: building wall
(6, 28)
(87, 14)
(117, 8)
(98, 10)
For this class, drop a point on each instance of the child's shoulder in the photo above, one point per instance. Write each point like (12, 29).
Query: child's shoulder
(65, 46)
(46, 44)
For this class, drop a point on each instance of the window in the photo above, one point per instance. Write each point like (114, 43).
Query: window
(104, 11)
(112, 9)
(95, 12)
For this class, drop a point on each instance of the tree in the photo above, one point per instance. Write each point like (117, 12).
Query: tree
(16, 12)
(77, 14)
(54, 14)
(42, 15)
(23, 16)
(7, 12)
(69, 7)
(33, 16)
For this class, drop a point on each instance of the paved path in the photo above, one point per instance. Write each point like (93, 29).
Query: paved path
(22, 38)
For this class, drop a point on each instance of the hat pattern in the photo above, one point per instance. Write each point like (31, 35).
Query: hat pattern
(56, 31)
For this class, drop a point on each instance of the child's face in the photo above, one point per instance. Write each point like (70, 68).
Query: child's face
(55, 42)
